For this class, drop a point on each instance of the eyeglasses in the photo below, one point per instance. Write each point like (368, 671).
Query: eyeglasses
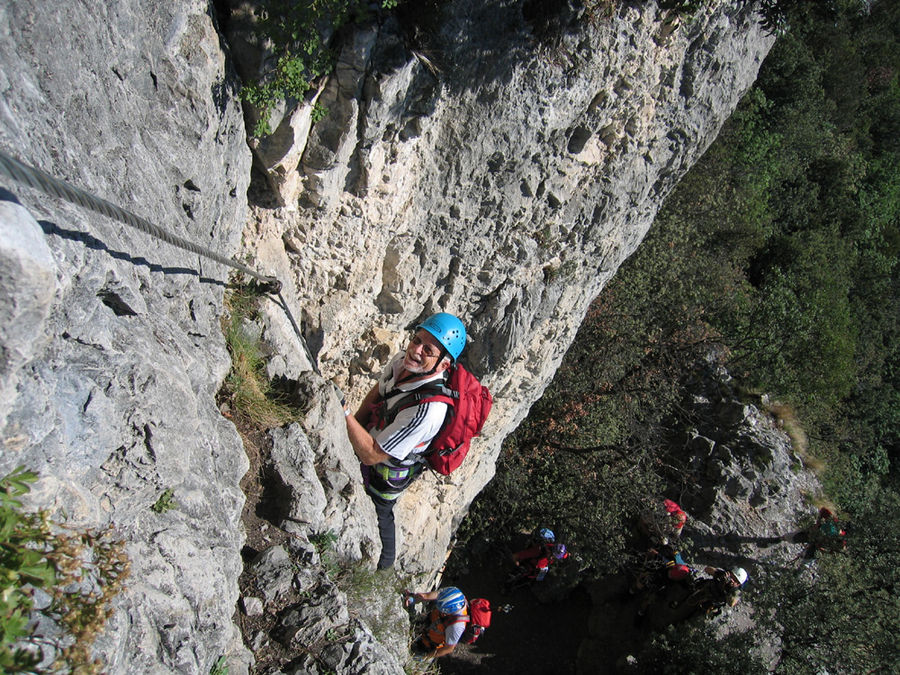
(427, 349)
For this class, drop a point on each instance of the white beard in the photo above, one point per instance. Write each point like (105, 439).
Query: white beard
(413, 367)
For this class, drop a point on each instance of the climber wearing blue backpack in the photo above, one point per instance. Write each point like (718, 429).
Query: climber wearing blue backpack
(425, 408)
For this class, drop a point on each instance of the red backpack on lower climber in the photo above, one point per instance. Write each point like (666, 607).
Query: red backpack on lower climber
(479, 620)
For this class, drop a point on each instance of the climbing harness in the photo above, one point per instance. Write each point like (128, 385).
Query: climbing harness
(39, 180)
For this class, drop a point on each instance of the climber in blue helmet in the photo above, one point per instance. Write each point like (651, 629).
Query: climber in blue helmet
(534, 561)
(446, 622)
(396, 421)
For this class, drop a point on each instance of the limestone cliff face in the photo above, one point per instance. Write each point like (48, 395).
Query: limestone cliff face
(506, 186)
(111, 346)
(499, 170)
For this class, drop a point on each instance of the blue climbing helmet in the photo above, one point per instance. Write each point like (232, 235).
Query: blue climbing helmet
(448, 330)
(450, 600)
(546, 535)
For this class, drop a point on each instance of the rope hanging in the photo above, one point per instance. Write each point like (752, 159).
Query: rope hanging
(47, 184)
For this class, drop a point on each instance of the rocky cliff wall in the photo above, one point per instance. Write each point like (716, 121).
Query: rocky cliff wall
(506, 185)
(500, 168)
(111, 344)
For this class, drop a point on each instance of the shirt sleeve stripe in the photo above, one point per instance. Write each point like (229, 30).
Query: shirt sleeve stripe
(417, 420)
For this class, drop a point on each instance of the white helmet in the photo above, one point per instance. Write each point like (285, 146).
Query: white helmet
(740, 574)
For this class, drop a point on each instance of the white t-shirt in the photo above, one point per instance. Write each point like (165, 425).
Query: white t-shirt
(413, 427)
(453, 633)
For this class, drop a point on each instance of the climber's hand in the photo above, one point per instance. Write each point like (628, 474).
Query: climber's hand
(340, 395)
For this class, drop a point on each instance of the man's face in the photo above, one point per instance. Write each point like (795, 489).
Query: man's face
(422, 353)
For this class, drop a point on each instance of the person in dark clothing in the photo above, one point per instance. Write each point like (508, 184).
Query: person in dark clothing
(825, 535)
(723, 589)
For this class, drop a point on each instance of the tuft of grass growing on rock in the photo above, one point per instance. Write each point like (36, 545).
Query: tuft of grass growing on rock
(220, 667)
(787, 417)
(324, 543)
(376, 595)
(247, 390)
(359, 582)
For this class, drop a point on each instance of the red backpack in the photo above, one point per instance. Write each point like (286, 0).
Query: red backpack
(480, 615)
(469, 405)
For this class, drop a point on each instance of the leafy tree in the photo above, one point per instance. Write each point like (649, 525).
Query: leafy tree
(695, 648)
(843, 613)
(545, 486)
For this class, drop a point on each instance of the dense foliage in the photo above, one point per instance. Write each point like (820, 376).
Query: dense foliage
(779, 254)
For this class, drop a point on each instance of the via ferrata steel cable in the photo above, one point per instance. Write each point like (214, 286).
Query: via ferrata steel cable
(40, 180)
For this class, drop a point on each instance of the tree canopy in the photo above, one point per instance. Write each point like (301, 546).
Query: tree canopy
(780, 251)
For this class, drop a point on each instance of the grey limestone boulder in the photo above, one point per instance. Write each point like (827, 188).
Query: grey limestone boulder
(321, 488)
(301, 492)
(750, 491)
(27, 286)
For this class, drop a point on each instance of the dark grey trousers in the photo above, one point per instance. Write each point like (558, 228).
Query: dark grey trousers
(384, 509)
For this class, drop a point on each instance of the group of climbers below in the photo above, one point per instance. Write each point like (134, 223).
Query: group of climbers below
(454, 620)
(662, 568)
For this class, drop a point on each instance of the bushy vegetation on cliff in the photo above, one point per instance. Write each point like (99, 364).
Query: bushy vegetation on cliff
(779, 252)
(299, 36)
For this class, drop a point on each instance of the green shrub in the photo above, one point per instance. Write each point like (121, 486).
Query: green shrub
(299, 34)
(324, 541)
(37, 553)
(166, 502)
